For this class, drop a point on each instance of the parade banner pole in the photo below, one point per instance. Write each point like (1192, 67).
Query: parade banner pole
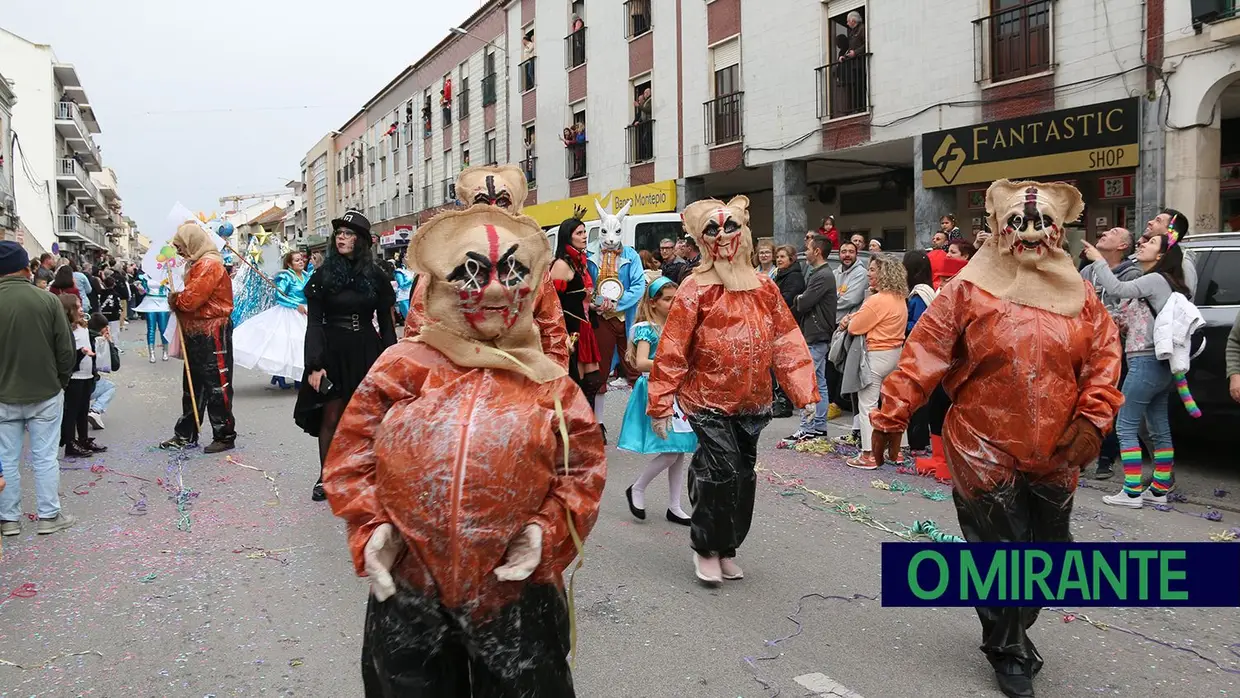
(189, 378)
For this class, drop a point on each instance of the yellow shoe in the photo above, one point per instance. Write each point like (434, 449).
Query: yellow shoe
(833, 411)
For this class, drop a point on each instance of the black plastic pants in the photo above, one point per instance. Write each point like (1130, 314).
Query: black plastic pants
(723, 483)
(210, 360)
(1023, 511)
(413, 647)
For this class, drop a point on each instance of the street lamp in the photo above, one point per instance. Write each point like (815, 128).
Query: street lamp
(461, 31)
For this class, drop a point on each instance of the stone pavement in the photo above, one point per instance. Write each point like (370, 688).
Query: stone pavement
(200, 577)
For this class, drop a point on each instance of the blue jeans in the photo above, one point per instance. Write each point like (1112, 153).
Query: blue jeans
(43, 422)
(818, 352)
(102, 396)
(1146, 389)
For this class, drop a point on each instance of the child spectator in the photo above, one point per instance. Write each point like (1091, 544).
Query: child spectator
(81, 383)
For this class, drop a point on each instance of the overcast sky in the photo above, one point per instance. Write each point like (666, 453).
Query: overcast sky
(199, 100)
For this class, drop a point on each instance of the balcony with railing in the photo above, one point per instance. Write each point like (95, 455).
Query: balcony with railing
(73, 227)
(489, 93)
(844, 88)
(1015, 42)
(723, 119)
(575, 160)
(73, 128)
(639, 141)
(76, 180)
(528, 76)
(575, 49)
(638, 14)
(530, 166)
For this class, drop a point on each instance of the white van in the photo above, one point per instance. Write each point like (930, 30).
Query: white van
(642, 232)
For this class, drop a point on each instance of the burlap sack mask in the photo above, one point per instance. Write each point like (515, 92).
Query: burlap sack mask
(502, 186)
(484, 267)
(196, 242)
(722, 234)
(1024, 261)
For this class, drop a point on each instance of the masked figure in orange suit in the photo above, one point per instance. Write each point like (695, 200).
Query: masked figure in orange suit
(468, 467)
(504, 187)
(1030, 359)
(727, 330)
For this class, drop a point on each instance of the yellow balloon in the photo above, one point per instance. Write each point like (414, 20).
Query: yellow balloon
(202, 216)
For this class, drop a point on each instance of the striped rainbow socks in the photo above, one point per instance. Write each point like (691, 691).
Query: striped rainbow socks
(1131, 460)
(1163, 459)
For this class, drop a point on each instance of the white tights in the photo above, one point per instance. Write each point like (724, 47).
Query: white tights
(674, 464)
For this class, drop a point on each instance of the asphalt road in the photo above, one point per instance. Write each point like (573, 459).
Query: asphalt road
(249, 591)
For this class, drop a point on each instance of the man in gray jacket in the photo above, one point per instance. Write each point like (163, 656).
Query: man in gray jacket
(1116, 245)
(816, 308)
(852, 283)
(39, 356)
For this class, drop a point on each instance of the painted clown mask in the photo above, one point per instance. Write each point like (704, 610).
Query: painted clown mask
(503, 187)
(485, 267)
(722, 234)
(1029, 218)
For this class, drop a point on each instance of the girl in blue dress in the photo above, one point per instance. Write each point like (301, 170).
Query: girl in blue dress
(274, 340)
(636, 436)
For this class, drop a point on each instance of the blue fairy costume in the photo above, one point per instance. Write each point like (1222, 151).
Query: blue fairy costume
(155, 307)
(636, 435)
(404, 286)
(273, 341)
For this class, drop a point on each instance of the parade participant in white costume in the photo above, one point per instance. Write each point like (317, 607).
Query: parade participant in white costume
(274, 340)
(619, 283)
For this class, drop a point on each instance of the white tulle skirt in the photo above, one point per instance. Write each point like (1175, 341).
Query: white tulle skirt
(273, 342)
(153, 304)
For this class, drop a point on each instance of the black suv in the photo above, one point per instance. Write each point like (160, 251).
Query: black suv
(1216, 256)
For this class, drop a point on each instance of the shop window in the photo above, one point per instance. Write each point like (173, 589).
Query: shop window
(1015, 39)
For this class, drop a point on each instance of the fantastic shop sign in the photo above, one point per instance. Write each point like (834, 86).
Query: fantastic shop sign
(1073, 574)
(1097, 137)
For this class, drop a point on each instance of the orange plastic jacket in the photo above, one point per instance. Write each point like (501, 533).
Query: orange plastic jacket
(207, 300)
(718, 348)
(459, 461)
(1017, 377)
(548, 316)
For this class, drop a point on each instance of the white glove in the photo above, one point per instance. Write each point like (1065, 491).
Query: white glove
(661, 426)
(524, 554)
(381, 551)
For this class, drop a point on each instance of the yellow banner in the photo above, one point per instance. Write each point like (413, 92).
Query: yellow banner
(659, 197)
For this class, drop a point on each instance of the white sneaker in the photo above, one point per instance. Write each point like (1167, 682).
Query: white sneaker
(1149, 496)
(618, 384)
(1121, 499)
(95, 419)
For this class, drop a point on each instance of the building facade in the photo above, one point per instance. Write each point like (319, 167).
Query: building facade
(9, 223)
(884, 114)
(64, 209)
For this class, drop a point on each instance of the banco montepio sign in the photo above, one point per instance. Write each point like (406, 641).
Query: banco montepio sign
(1096, 137)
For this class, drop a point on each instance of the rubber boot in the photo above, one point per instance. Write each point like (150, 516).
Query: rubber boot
(931, 466)
(150, 349)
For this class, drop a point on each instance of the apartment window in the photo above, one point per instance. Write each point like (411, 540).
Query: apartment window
(492, 149)
(640, 134)
(396, 204)
(462, 96)
(382, 210)
(1014, 40)
(445, 100)
(529, 74)
(527, 78)
(448, 182)
(638, 14)
(464, 155)
(383, 167)
(489, 80)
(426, 116)
(575, 46)
(395, 162)
(427, 166)
(530, 161)
(575, 143)
(723, 113)
(843, 83)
